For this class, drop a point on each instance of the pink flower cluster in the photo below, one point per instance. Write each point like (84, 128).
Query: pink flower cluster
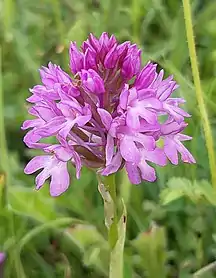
(110, 114)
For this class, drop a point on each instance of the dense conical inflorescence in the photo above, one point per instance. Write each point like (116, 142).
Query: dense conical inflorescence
(106, 115)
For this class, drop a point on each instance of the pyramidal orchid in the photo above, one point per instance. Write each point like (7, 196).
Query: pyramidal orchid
(105, 115)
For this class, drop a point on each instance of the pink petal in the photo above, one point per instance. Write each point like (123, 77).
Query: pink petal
(60, 180)
(133, 173)
(156, 156)
(186, 156)
(34, 98)
(113, 166)
(148, 142)
(66, 129)
(149, 116)
(51, 127)
(158, 79)
(132, 119)
(146, 93)
(132, 95)
(150, 103)
(124, 97)
(109, 149)
(128, 150)
(32, 123)
(183, 137)
(76, 159)
(181, 111)
(172, 127)
(45, 112)
(36, 163)
(147, 172)
(106, 117)
(82, 119)
(66, 109)
(41, 178)
(31, 139)
(62, 153)
(171, 151)
(165, 90)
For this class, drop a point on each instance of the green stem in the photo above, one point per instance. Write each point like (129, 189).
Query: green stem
(116, 248)
(199, 93)
(4, 164)
(111, 186)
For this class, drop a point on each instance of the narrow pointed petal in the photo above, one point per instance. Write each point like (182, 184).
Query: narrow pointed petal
(109, 149)
(38, 162)
(171, 151)
(41, 178)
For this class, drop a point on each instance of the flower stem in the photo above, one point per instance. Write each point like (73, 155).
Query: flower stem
(116, 226)
(4, 164)
(199, 92)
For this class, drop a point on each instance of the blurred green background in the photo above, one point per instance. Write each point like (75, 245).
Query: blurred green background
(167, 235)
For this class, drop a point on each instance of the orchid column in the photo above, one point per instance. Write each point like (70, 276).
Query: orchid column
(104, 117)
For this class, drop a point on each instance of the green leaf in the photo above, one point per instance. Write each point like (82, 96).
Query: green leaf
(196, 191)
(86, 235)
(31, 203)
(151, 246)
(208, 192)
(97, 257)
(176, 188)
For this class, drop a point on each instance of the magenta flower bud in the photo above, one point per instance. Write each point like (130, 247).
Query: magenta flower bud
(93, 41)
(111, 58)
(106, 44)
(102, 118)
(76, 58)
(92, 82)
(131, 63)
(90, 59)
(122, 50)
(146, 76)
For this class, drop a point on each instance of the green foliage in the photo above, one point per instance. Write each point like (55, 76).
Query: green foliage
(195, 191)
(151, 246)
(171, 228)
